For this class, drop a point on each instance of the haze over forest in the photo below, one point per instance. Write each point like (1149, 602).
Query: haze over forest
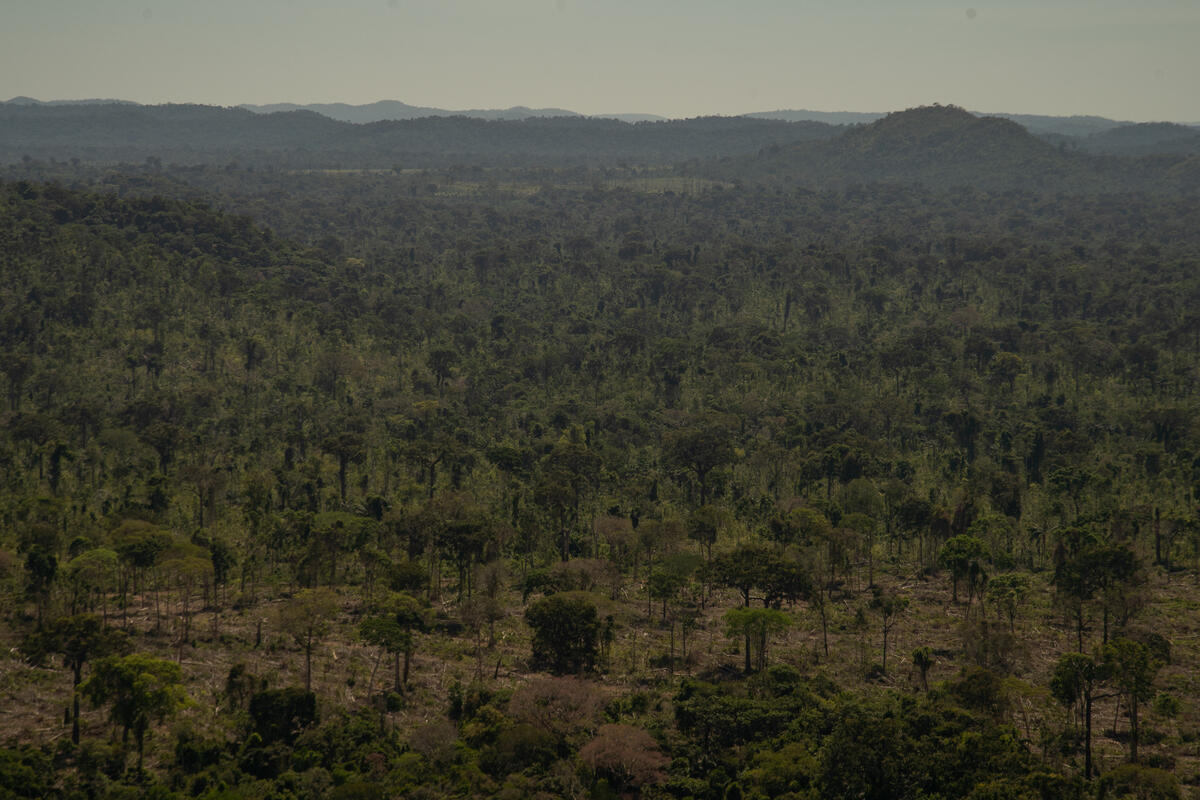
(520, 454)
(657, 400)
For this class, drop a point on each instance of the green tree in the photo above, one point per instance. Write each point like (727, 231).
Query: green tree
(80, 639)
(1008, 592)
(1140, 782)
(140, 690)
(742, 568)
(1006, 367)
(867, 754)
(664, 584)
(913, 518)
(307, 618)
(92, 573)
(394, 632)
(441, 363)
(41, 567)
(1073, 684)
(756, 625)
(889, 607)
(700, 451)
(348, 448)
(865, 529)
(139, 546)
(185, 564)
(1086, 566)
(279, 714)
(704, 525)
(785, 579)
(567, 475)
(1130, 668)
(962, 556)
(565, 630)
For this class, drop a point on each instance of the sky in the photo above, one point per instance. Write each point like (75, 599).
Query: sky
(1133, 60)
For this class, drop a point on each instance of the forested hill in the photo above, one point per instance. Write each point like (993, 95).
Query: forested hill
(942, 146)
(469, 485)
(937, 146)
(188, 134)
(1146, 139)
(385, 110)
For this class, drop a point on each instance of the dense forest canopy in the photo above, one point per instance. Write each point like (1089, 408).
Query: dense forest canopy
(710, 482)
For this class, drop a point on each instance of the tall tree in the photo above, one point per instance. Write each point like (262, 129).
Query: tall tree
(699, 450)
(140, 690)
(568, 474)
(962, 555)
(393, 630)
(1008, 592)
(1086, 565)
(78, 639)
(1131, 668)
(889, 607)
(307, 617)
(756, 625)
(1073, 684)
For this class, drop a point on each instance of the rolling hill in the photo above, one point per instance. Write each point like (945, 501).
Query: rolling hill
(193, 134)
(941, 146)
(1151, 138)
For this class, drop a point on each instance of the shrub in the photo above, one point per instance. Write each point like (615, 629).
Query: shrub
(279, 714)
(565, 630)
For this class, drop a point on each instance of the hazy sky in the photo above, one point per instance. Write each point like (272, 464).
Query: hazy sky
(1127, 59)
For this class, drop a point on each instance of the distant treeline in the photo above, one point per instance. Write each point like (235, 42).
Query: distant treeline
(191, 134)
(935, 146)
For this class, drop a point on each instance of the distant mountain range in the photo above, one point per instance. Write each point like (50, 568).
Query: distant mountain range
(1145, 139)
(192, 134)
(30, 101)
(389, 110)
(934, 145)
(386, 110)
(380, 111)
(941, 146)
(1040, 124)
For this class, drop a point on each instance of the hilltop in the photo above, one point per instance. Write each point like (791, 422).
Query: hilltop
(938, 146)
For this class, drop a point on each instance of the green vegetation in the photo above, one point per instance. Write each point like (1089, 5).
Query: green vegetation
(691, 490)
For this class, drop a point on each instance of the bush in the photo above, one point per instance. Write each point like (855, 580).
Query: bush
(357, 790)
(193, 753)
(408, 576)
(1136, 781)
(279, 714)
(23, 773)
(565, 630)
(266, 761)
(517, 749)
(980, 689)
